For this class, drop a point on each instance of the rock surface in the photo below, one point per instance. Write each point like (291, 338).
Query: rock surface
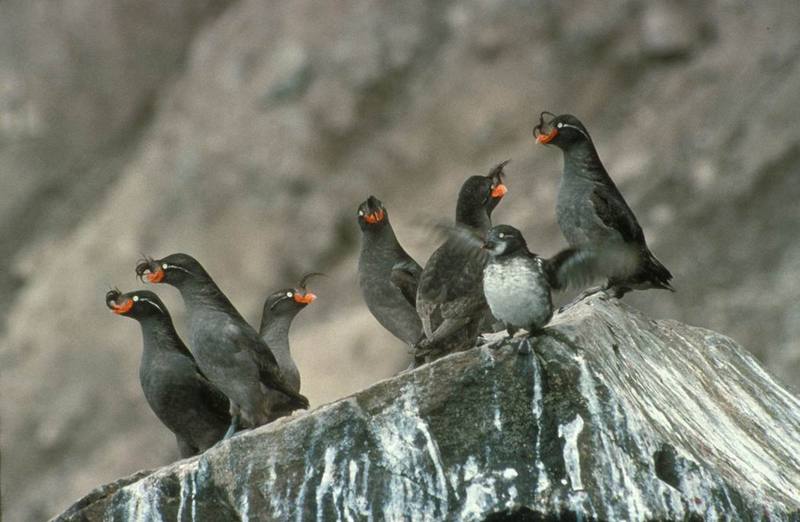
(246, 132)
(615, 417)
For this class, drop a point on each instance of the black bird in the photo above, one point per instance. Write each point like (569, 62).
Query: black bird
(175, 388)
(590, 209)
(280, 308)
(518, 284)
(387, 275)
(228, 350)
(450, 299)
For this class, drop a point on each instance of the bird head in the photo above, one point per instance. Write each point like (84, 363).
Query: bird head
(562, 131)
(498, 188)
(504, 240)
(479, 195)
(290, 300)
(139, 304)
(175, 269)
(372, 214)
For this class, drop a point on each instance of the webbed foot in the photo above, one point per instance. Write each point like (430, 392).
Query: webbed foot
(233, 428)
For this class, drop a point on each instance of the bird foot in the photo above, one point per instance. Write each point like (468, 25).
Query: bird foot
(415, 363)
(233, 428)
(615, 292)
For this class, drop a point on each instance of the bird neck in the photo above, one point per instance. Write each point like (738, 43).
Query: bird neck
(382, 238)
(205, 294)
(158, 334)
(581, 159)
(275, 332)
(474, 217)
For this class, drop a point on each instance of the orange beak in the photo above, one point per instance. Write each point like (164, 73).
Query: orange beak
(306, 298)
(156, 277)
(375, 217)
(122, 308)
(547, 138)
(499, 191)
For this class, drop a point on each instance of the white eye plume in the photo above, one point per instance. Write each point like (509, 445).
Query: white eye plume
(568, 125)
(152, 303)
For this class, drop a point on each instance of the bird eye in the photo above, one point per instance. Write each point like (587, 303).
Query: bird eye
(361, 213)
(164, 266)
(135, 298)
(501, 235)
(559, 125)
(289, 294)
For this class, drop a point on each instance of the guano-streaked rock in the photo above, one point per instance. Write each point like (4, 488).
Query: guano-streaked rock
(616, 417)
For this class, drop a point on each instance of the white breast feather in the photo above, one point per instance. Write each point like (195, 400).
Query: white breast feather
(517, 292)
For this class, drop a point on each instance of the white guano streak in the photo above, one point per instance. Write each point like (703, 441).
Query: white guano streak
(572, 459)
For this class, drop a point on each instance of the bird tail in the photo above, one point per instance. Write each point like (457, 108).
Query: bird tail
(657, 274)
(297, 401)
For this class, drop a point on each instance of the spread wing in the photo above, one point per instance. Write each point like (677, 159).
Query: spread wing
(578, 267)
(405, 276)
(615, 213)
(248, 342)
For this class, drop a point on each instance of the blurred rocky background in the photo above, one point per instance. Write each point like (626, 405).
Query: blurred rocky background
(246, 132)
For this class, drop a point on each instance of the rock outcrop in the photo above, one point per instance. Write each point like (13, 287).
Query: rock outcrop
(615, 417)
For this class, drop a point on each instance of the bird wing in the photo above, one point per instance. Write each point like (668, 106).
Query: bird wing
(213, 398)
(577, 267)
(458, 262)
(405, 276)
(450, 291)
(447, 275)
(614, 212)
(248, 342)
(571, 266)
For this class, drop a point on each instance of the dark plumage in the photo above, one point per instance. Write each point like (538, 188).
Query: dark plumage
(280, 308)
(175, 388)
(387, 275)
(228, 350)
(518, 284)
(450, 299)
(590, 209)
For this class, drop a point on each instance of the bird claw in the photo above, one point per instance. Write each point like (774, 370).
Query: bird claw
(411, 367)
(233, 428)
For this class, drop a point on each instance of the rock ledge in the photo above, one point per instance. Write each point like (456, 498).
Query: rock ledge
(616, 417)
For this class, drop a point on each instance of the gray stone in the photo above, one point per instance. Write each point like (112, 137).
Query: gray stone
(615, 417)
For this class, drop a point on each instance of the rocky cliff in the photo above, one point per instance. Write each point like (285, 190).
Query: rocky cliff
(615, 417)
(246, 133)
